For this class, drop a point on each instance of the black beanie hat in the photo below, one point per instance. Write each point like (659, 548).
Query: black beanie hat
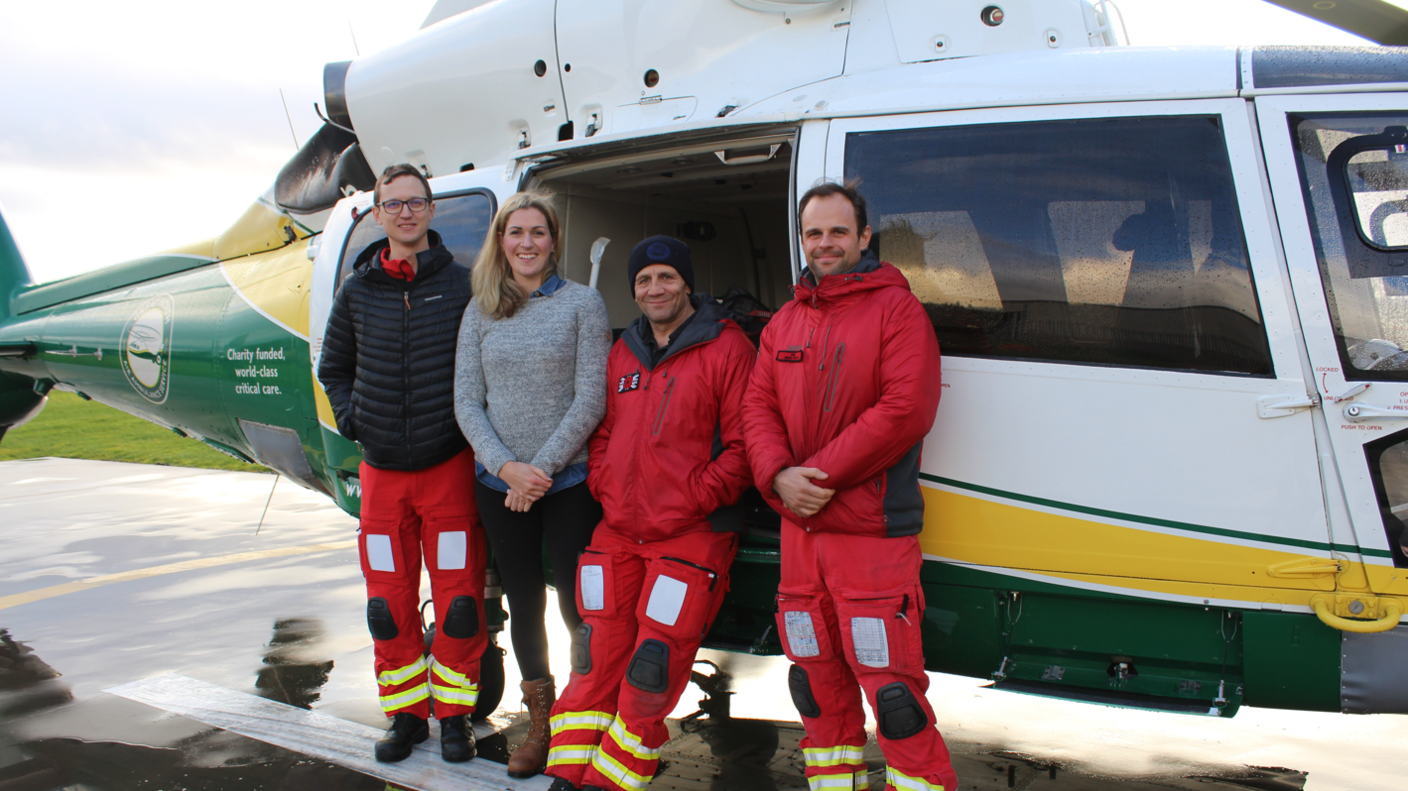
(665, 250)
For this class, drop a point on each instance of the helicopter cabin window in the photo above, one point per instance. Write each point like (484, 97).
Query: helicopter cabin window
(1112, 241)
(1388, 464)
(461, 220)
(1354, 176)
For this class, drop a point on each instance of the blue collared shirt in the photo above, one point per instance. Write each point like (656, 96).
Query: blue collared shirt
(549, 287)
(570, 475)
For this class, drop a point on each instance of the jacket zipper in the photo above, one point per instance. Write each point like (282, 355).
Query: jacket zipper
(831, 380)
(713, 576)
(406, 370)
(664, 404)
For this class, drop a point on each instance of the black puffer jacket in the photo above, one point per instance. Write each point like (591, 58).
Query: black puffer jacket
(388, 360)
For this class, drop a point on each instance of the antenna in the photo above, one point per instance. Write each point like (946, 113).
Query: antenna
(264, 515)
(354, 38)
(296, 146)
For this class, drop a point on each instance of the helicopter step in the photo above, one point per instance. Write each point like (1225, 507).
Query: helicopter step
(318, 735)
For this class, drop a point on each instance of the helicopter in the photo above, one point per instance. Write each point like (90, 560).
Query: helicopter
(1170, 465)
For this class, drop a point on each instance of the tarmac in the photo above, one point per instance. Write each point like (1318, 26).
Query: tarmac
(180, 629)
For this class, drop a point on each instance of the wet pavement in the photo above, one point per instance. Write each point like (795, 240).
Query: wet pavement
(117, 573)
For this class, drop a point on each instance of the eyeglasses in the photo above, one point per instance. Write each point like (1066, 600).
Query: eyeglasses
(394, 206)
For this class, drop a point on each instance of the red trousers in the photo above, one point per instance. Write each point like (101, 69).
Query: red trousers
(849, 610)
(645, 609)
(426, 513)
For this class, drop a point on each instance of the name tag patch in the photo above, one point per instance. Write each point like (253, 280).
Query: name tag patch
(789, 355)
(628, 383)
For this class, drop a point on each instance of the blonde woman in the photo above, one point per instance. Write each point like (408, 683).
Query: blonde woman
(530, 387)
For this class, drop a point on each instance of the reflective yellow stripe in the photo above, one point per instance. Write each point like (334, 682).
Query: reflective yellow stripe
(389, 678)
(571, 754)
(832, 756)
(631, 743)
(419, 692)
(902, 780)
(468, 697)
(450, 676)
(851, 781)
(581, 721)
(613, 769)
(460, 689)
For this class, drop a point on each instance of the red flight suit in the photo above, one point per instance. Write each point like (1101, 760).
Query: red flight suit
(405, 516)
(668, 456)
(847, 381)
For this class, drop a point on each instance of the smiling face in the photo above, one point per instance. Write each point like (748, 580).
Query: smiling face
(832, 243)
(662, 296)
(528, 244)
(406, 229)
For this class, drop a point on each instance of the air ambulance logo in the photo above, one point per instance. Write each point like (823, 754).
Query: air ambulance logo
(146, 348)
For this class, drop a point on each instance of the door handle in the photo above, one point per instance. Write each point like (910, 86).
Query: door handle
(755, 159)
(1268, 407)
(1358, 413)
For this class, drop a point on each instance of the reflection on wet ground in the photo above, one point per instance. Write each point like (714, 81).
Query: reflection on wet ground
(290, 628)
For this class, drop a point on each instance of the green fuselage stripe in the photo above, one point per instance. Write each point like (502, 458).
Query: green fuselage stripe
(1149, 520)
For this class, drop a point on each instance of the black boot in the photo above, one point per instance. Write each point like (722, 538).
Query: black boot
(558, 784)
(456, 739)
(406, 731)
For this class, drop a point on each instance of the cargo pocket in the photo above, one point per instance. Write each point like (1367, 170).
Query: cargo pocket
(881, 632)
(677, 597)
(596, 584)
(802, 624)
(380, 552)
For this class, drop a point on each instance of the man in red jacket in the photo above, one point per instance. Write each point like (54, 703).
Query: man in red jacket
(666, 463)
(845, 389)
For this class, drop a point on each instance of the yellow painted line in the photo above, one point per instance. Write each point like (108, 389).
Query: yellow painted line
(171, 568)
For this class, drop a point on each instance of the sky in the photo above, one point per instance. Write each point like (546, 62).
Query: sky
(133, 127)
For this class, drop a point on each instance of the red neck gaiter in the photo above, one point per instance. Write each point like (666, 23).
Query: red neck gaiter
(399, 269)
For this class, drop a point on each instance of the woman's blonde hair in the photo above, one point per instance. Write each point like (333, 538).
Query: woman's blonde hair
(499, 296)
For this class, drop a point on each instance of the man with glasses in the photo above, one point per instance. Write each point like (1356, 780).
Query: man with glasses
(388, 366)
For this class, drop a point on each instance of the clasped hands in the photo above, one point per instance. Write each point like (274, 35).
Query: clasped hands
(798, 492)
(526, 484)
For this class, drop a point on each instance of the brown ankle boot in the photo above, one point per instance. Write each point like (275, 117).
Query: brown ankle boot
(531, 757)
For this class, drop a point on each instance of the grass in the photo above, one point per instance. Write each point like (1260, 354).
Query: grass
(72, 428)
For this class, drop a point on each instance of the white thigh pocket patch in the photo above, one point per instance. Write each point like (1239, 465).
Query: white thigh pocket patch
(666, 600)
(593, 588)
(451, 552)
(801, 633)
(868, 635)
(379, 555)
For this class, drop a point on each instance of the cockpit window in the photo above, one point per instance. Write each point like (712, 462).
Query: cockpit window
(461, 220)
(1112, 241)
(1354, 177)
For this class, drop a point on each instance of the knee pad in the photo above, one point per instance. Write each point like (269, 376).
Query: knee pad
(900, 715)
(462, 621)
(379, 620)
(582, 649)
(801, 688)
(649, 670)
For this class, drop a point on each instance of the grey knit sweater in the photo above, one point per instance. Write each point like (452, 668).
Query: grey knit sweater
(532, 387)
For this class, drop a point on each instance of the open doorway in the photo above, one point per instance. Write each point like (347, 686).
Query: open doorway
(728, 198)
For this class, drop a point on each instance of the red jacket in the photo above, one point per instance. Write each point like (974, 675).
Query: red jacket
(670, 453)
(847, 381)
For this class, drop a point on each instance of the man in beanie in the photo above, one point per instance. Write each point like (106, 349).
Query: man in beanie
(666, 464)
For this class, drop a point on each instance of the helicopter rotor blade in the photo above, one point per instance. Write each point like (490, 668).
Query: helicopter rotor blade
(1376, 20)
